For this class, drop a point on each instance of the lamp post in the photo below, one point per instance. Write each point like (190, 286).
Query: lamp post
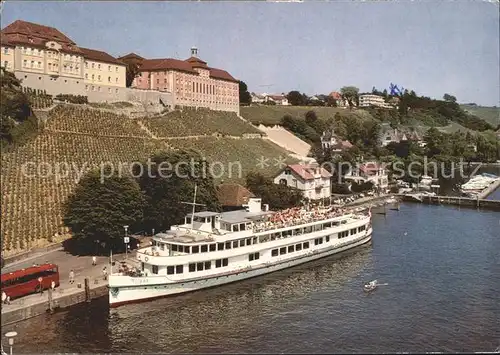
(125, 240)
(10, 336)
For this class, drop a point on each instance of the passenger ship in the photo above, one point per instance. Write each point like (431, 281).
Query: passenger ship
(212, 249)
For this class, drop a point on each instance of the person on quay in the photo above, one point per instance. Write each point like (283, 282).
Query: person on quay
(71, 276)
(53, 285)
(105, 273)
(94, 261)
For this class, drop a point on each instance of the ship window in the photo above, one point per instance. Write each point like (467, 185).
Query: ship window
(327, 238)
(334, 224)
(170, 270)
(186, 249)
(327, 225)
(242, 226)
(192, 267)
(297, 231)
(179, 269)
(298, 247)
(235, 244)
(306, 245)
(318, 227)
(235, 228)
(195, 249)
(291, 249)
(257, 256)
(320, 240)
(212, 247)
(199, 266)
(155, 269)
(208, 265)
(249, 241)
(204, 248)
(308, 229)
(142, 266)
(220, 246)
(242, 242)
(218, 263)
(274, 252)
(250, 257)
(353, 231)
(225, 262)
(228, 245)
(282, 250)
(254, 240)
(263, 238)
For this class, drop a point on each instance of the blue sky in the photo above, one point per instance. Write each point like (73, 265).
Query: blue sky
(316, 47)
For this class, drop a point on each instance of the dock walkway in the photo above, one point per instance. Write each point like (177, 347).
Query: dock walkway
(456, 201)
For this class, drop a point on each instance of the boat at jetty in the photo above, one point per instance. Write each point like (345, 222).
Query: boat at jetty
(212, 248)
(478, 184)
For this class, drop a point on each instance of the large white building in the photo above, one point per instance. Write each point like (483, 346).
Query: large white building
(367, 100)
(312, 179)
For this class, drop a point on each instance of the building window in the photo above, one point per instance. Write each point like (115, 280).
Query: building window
(109, 79)
(6, 50)
(93, 65)
(25, 63)
(93, 88)
(86, 87)
(116, 80)
(109, 90)
(86, 75)
(99, 78)
(32, 63)
(99, 89)
(116, 91)
(93, 76)
(86, 65)
(116, 69)
(109, 67)
(99, 66)
(5, 64)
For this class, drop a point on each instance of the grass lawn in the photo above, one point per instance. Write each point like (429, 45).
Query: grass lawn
(489, 114)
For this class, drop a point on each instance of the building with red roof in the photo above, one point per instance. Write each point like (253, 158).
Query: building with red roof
(191, 82)
(313, 180)
(44, 58)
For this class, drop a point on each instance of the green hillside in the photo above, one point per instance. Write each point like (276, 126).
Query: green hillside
(489, 114)
(269, 115)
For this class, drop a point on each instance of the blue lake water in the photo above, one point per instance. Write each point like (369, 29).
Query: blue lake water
(442, 266)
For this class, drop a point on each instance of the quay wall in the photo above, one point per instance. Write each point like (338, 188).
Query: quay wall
(59, 302)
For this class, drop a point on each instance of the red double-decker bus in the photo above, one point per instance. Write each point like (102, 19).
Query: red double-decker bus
(30, 280)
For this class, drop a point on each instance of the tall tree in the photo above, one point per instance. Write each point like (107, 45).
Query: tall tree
(350, 93)
(170, 182)
(245, 97)
(132, 71)
(449, 98)
(100, 206)
(295, 98)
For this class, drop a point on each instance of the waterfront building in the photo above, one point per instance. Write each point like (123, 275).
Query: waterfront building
(191, 82)
(44, 58)
(369, 171)
(312, 179)
(233, 196)
(280, 100)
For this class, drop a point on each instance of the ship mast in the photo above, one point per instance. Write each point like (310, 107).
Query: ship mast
(194, 204)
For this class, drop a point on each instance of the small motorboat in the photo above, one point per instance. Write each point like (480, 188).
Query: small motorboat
(370, 286)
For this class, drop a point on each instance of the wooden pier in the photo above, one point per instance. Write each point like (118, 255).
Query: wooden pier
(465, 202)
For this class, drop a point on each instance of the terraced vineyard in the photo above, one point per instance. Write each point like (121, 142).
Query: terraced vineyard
(36, 179)
(73, 118)
(270, 115)
(191, 122)
(234, 155)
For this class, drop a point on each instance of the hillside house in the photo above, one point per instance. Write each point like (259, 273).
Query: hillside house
(369, 171)
(312, 179)
(395, 135)
(257, 98)
(330, 141)
(337, 96)
(279, 100)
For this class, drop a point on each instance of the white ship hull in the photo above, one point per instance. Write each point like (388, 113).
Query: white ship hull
(125, 290)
